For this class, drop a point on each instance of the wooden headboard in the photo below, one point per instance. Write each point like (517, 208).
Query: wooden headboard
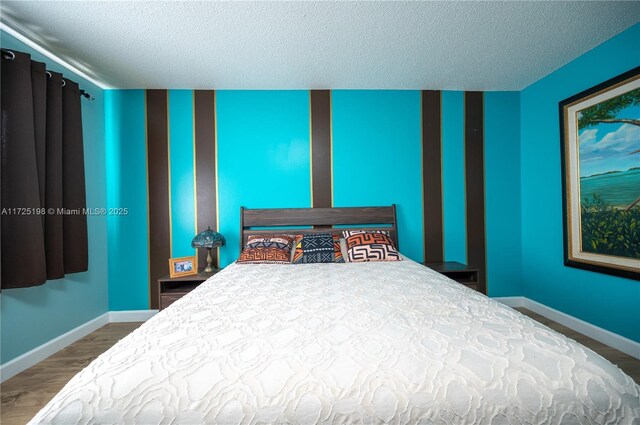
(285, 220)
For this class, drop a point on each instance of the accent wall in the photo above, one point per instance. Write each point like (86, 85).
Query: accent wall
(260, 147)
(606, 301)
(32, 316)
(377, 157)
(126, 162)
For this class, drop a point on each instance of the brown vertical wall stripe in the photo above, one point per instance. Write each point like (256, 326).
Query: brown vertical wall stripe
(321, 148)
(158, 189)
(205, 154)
(432, 175)
(474, 162)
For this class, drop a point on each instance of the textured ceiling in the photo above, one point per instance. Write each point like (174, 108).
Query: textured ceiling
(306, 44)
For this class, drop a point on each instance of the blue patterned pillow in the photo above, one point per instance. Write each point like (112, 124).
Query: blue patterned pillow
(314, 248)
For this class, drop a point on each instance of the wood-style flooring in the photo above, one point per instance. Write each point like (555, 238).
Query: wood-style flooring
(26, 393)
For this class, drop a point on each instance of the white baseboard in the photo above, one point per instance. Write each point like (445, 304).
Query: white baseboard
(38, 354)
(511, 301)
(131, 315)
(604, 336)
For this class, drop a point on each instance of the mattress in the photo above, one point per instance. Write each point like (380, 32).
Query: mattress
(386, 342)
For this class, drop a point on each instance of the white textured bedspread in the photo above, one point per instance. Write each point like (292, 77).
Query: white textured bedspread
(344, 343)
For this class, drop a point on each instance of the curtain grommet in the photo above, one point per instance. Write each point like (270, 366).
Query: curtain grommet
(8, 54)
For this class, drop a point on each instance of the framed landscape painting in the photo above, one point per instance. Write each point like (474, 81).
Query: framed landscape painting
(600, 132)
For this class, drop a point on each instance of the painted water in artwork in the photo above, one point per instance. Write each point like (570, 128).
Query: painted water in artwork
(609, 140)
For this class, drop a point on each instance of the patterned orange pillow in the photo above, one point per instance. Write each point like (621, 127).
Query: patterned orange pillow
(370, 246)
(267, 249)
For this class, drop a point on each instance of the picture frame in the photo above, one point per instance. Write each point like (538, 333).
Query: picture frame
(600, 151)
(183, 266)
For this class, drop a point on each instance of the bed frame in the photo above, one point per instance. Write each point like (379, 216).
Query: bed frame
(288, 220)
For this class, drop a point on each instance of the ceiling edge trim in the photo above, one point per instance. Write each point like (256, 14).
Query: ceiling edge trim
(6, 28)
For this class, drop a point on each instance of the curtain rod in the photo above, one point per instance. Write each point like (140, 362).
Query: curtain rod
(10, 55)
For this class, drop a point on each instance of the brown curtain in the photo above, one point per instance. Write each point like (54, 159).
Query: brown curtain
(42, 174)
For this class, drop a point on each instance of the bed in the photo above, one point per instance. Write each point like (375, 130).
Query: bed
(380, 342)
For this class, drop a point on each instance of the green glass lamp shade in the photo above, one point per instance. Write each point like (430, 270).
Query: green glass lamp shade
(208, 239)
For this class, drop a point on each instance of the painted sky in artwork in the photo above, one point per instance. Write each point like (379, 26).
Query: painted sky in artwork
(608, 147)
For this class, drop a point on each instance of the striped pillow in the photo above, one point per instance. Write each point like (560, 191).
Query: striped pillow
(363, 245)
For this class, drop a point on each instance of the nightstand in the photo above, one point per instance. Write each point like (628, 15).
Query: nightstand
(459, 272)
(171, 289)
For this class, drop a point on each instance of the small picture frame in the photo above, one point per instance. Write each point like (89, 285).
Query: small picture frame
(183, 266)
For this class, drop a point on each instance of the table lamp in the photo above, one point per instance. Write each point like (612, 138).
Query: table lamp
(208, 239)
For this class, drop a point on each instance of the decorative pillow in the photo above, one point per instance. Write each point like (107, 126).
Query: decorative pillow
(314, 248)
(267, 249)
(338, 250)
(375, 245)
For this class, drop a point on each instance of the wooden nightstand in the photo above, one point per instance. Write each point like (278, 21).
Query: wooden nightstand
(171, 289)
(459, 272)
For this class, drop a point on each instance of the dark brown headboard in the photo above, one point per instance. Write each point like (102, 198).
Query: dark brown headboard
(281, 220)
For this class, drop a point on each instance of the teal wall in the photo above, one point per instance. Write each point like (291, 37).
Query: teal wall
(502, 193)
(126, 159)
(453, 177)
(181, 172)
(264, 160)
(606, 301)
(377, 157)
(263, 156)
(32, 316)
